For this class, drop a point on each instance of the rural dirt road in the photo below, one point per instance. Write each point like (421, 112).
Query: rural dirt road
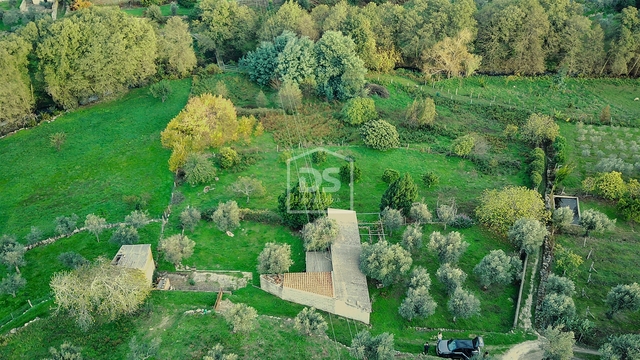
(531, 350)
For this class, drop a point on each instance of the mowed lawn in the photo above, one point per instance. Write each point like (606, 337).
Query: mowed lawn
(112, 150)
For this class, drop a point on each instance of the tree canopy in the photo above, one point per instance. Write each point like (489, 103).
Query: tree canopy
(499, 209)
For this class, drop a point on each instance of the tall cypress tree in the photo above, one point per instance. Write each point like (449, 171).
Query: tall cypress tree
(400, 195)
(304, 206)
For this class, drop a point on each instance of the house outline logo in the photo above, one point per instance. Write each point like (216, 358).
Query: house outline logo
(325, 175)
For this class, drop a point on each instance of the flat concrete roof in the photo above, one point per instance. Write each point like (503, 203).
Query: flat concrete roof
(318, 261)
(132, 256)
(349, 283)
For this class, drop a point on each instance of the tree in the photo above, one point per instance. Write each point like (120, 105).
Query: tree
(302, 204)
(605, 115)
(623, 297)
(452, 277)
(558, 345)
(384, 262)
(34, 235)
(189, 218)
(412, 238)
(261, 100)
(227, 216)
(451, 56)
(595, 221)
(66, 352)
(390, 175)
(527, 234)
(248, 186)
(161, 90)
(497, 268)
(629, 206)
(175, 48)
(566, 261)
(79, 60)
(430, 179)
(290, 97)
(339, 72)
(400, 195)
(540, 130)
(560, 285)
(142, 350)
(12, 253)
(417, 304)
(562, 217)
(609, 185)
(217, 353)
(367, 347)
(419, 212)
(99, 291)
(419, 277)
(359, 110)
(57, 140)
(275, 259)
(176, 248)
(310, 322)
(241, 317)
(556, 309)
(228, 158)
(66, 224)
(290, 17)
(72, 259)
(392, 219)
(350, 171)
(137, 219)
(380, 135)
(320, 234)
(16, 100)
(125, 235)
(463, 304)
(95, 224)
(499, 209)
(154, 13)
(206, 121)
(463, 145)
(447, 213)
(448, 247)
(12, 284)
(621, 347)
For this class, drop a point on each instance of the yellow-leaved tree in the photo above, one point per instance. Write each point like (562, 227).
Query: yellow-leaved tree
(206, 121)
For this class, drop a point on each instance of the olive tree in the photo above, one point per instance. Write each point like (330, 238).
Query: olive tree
(384, 262)
(248, 186)
(137, 219)
(12, 253)
(621, 347)
(623, 297)
(595, 221)
(124, 235)
(320, 234)
(241, 317)
(217, 353)
(452, 277)
(189, 218)
(66, 224)
(562, 217)
(419, 277)
(176, 248)
(560, 285)
(95, 224)
(419, 212)
(556, 309)
(463, 304)
(527, 234)
(227, 216)
(367, 347)
(557, 344)
(392, 219)
(412, 238)
(417, 304)
(72, 259)
(275, 259)
(67, 352)
(497, 268)
(448, 247)
(447, 213)
(11, 284)
(99, 291)
(310, 322)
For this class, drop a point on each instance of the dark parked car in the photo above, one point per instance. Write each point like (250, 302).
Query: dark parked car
(459, 349)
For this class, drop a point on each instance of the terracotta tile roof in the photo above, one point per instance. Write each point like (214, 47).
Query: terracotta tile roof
(314, 282)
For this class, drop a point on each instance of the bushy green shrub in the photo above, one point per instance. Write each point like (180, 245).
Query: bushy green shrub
(228, 158)
(430, 179)
(199, 169)
(380, 135)
(463, 145)
(422, 112)
(359, 110)
(345, 173)
(390, 175)
(187, 3)
(319, 157)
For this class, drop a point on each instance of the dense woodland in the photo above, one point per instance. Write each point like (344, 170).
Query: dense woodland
(99, 52)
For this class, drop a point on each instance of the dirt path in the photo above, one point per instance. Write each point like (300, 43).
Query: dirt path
(531, 350)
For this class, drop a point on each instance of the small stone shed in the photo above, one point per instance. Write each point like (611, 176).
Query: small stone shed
(136, 257)
(333, 281)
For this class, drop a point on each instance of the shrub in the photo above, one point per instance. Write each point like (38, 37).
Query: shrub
(430, 179)
(566, 261)
(400, 194)
(221, 89)
(463, 145)
(319, 157)
(34, 235)
(390, 175)
(359, 110)
(228, 158)
(66, 224)
(261, 100)
(125, 235)
(72, 259)
(499, 209)
(380, 135)
(375, 89)
(422, 112)
(199, 169)
(154, 13)
(187, 3)
(462, 221)
(345, 172)
(310, 322)
(162, 89)
(540, 129)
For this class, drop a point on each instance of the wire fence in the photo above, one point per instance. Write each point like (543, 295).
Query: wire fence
(18, 313)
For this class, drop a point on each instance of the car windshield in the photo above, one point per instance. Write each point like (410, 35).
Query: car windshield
(451, 345)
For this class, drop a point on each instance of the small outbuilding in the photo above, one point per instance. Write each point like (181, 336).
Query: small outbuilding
(568, 201)
(136, 257)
